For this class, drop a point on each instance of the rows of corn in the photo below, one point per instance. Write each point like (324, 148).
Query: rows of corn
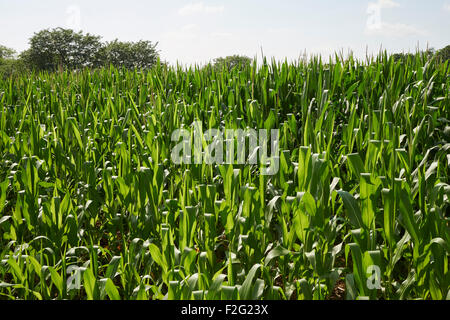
(92, 207)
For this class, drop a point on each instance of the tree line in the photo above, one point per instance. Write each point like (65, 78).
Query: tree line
(64, 49)
(442, 55)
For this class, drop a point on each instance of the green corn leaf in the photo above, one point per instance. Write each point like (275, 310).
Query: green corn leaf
(245, 292)
(352, 209)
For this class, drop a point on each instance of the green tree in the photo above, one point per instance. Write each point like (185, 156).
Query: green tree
(9, 64)
(6, 53)
(428, 54)
(140, 55)
(444, 54)
(231, 62)
(63, 48)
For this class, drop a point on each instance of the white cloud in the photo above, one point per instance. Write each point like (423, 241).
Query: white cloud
(221, 34)
(446, 6)
(188, 27)
(199, 8)
(387, 4)
(395, 30)
(280, 30)
(186, 32)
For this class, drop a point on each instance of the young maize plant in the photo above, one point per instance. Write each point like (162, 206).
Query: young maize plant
(92, 207)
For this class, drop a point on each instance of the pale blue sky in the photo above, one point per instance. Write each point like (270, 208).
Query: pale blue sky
(198, 31)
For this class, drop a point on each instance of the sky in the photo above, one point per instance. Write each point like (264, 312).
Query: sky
(195, 32)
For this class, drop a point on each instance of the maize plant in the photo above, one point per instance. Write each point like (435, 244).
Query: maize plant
(93, 207)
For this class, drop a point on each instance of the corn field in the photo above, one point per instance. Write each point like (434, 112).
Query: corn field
(92, 207)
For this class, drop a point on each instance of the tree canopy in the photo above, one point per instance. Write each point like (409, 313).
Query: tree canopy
(8, 63)
(231, 62)
(444, 54)
(6, 53)
(63, 48)
(66, 49)
(140, 55)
